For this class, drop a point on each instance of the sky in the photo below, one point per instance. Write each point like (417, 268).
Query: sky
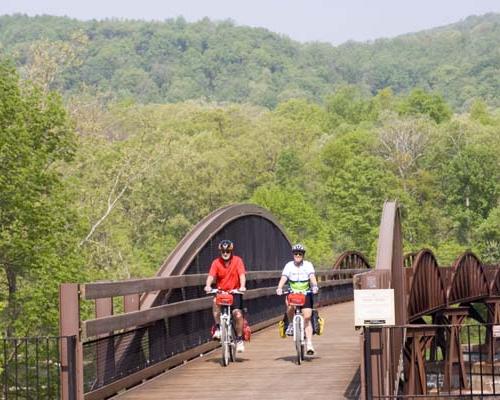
(333, 21)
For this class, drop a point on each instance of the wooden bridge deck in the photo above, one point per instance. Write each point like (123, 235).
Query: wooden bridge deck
(266, 370)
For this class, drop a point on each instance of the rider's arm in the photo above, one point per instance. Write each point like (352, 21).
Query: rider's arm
(208, 284)
(281, 283)
(243, 282)
(241, 273)
(312, 279)
(314, 283)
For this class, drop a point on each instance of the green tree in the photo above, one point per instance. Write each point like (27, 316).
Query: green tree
(420, 102)
(302, 222)
(470, 182)
(348, 105)
(487, 236)
(35, 219)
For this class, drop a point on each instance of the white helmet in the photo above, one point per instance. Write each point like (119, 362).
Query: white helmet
(298, 248)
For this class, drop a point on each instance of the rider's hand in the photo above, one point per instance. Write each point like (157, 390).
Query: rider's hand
(279, 291)
(315, 289)
(207, 289)
(242, 289)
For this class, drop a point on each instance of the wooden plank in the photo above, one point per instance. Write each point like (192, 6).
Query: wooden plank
(99, 290)
(266, 369)
(155, 369)
(131, 302)
(147, 373)
(134, 286)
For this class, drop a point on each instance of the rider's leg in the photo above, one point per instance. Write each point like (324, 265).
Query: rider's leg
(238, 327)
(307, 313)
(238, 322)
(216, 313)
(290, 311)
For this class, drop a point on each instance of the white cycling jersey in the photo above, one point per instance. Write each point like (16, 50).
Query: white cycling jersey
(298, 276)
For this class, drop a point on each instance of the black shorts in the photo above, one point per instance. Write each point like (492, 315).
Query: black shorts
(237, 302)
(309, 301)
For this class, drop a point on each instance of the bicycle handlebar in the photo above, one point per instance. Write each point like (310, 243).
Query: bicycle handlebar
(296, 291)
(233, 291)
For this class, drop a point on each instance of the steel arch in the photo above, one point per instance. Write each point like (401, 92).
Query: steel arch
(351, 260)
(468, 280)
(427, 289)
(265, 241)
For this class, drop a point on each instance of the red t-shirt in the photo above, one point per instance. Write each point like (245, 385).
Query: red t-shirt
(228, 277)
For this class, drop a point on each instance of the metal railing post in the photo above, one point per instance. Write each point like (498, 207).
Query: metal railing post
(69, 325)
(368, 362)
(71, 357)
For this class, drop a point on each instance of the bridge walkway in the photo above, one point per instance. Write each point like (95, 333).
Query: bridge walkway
(267, 369)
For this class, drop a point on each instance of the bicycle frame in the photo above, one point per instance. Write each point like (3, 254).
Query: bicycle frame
(299, 334)
(227, 337)
(227, 329)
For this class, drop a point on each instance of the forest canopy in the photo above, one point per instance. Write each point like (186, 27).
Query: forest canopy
(173, 60)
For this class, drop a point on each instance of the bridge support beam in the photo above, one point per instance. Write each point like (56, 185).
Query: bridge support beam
(418, 339)
(454, 317)
(71, 352)
(493, 306)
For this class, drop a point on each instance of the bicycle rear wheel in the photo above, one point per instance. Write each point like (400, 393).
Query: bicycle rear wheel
(225, 343)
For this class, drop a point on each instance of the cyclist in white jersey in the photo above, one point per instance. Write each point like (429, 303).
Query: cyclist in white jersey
(301, 276)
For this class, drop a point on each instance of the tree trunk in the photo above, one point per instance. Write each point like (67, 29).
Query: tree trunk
(12, 311)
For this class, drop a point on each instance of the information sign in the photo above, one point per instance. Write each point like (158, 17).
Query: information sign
(374, 307)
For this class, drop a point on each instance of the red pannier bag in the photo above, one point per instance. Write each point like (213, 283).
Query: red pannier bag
(247, 332)
(296, 299)
(224, 299)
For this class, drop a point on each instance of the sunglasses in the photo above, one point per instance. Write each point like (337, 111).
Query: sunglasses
(225, 251)
(298, 254)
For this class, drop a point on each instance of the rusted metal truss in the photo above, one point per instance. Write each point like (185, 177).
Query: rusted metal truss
(424, 293)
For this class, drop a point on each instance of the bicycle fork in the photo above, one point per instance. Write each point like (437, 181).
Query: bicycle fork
(298, 322)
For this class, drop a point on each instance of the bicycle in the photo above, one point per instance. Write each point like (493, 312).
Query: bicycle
(227, 332)
(298, 299)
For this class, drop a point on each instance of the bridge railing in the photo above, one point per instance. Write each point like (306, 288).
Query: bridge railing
(30, 367)
(119, 351)
(440, 362)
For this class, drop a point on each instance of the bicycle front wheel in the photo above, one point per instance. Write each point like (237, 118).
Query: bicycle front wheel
(225, 343)
(298, 333)
(232, 343)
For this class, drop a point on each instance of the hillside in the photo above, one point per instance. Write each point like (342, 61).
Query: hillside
(174, 60)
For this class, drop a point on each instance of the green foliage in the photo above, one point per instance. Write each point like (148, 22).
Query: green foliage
(470, 181)
(37, 229)
(119, 196)
(423, 103)
(479, 112)
(292, 208)
(487, 237)
(173, 61)
(348, 106)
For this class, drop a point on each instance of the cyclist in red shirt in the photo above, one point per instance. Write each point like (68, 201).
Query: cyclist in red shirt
(228, 271)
